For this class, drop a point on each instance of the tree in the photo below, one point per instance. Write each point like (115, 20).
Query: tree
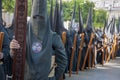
(100, 17)
(85, 10)
(68, 9)
(8, 5)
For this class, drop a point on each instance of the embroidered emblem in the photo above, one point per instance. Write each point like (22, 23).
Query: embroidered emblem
(36, 47)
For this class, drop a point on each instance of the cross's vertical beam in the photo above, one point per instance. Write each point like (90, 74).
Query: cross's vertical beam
(20, 36)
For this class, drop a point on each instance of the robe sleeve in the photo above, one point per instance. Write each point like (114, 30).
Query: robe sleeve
(5, 44)
(60, 54)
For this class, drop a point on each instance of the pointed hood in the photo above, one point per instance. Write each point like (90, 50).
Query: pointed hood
(115, 29)
(108, 23)
(57, 18)
(51, 16)
(81, 27)
(61, 9)
(61, 17)
(112, 29)
(107, 29)
(105, 26)
(73, 17)
(38, 18)
(89, 24)
(39, 42)
(119, 25)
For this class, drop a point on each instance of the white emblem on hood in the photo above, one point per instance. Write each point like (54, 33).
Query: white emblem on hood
(36, 47)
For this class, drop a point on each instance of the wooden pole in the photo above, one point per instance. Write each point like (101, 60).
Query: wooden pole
(1, 42)
(112, 52)
(64, 37)
(80, 52)
(20, 36)
(72, 55)
(87, 52)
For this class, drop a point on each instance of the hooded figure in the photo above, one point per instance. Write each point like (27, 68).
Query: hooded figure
(81, 26)
(89, 26)
(88, 30)
(5, 47)
(8, 62)
(4, 52)
(118, 26)
(44, 47)
(79, 38)
(58, 18)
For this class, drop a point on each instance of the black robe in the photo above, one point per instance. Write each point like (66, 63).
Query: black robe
(5, 51)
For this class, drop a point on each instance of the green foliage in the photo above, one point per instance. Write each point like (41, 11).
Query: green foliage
(99, 16)
(85, 10)
(29, 7)
(68, 9)
(8, 5)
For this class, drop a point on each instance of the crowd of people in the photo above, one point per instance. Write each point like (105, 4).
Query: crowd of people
(53, 51)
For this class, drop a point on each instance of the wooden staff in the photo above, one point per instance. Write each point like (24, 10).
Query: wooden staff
(112, 50)
(64, 41)
(106, 50)
(87, 52)
(1, 42)
(64, 37)
(94, 56)
(80, 52)
(89, 57)
(72, 55)
(116, 46)
(20, 36)
(108, 58)
(105, 46)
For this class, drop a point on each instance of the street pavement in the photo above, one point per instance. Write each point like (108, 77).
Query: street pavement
(110, 71)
